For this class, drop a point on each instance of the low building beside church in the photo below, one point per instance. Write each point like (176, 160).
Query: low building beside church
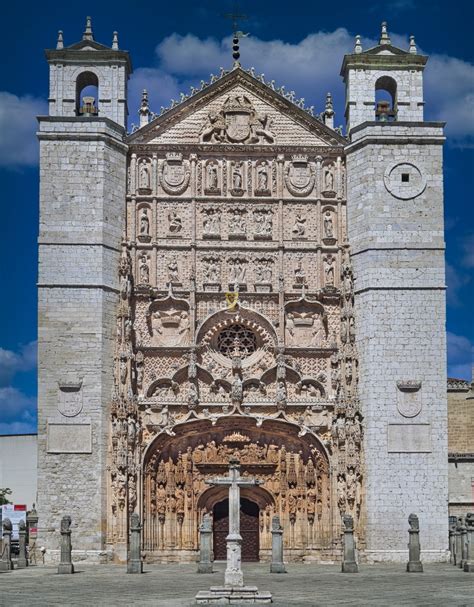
(238, 278)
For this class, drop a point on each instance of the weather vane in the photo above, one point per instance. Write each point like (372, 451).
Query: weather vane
(235, 17)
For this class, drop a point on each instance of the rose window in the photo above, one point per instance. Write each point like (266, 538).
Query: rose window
(236, 341)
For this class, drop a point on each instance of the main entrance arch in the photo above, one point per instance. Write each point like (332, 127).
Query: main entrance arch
(293, 470)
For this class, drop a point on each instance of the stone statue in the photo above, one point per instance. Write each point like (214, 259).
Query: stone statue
(281, 395)
(329, 270)
(144, 270)
(237, 177)
(237, 223)
(262, 178)
(144, 175)
(211, 273)
(212, 178)
(300, 277)
(328, 225)
(144, 223)
(290, 328)
(317, 334)
(175, 225)
(173, 271)
(414, 522)
(211, 223)
(184, 328)
(299, 227)
(329, 180)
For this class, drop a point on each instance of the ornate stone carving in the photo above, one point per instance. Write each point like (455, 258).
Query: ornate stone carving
(329, 270)
(175, 174)
(237, 122)
(144, 226)
(262, 182)
(263, 224)
(211, 274)
(237, 225)
(212, 178)
(329, 234)
(175, 223)
(237, 178)
(144, 176)
(211, 223)
(299, 226)
(300, 176)
(144, 269)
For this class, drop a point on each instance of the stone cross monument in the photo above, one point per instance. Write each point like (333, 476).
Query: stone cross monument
(414, 564)
(233, 589)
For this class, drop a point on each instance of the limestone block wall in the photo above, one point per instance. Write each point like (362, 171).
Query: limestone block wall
(82, 198)
(395, 229)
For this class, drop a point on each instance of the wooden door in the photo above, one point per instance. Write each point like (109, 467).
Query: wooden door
(249, 514)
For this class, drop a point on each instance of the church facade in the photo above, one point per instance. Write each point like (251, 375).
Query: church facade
(236, 278)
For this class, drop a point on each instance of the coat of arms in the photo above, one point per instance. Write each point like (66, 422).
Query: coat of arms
(299, 176)
(175, 174)
(237, 122)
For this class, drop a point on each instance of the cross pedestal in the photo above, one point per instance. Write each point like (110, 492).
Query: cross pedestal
(233, 591)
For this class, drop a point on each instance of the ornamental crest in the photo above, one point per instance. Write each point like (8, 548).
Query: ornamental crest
(175, 174)
(237, 122)
(299, 176)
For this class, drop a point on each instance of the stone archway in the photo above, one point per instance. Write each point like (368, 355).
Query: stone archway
(249, 529)
(293, 470)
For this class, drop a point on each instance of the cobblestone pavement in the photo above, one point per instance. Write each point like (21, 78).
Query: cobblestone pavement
(441, 585)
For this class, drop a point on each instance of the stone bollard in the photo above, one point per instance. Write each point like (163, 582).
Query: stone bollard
(65, 565)
(469, 563)
(22, 557)
(277, 565)
(205, 552)
(457, 542)
(6, 563)
(349, 564)
(452, 529)
(135, 564)
(414, 564)
(463, 531)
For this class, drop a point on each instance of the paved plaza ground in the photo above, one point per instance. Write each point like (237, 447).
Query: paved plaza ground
(441, 585)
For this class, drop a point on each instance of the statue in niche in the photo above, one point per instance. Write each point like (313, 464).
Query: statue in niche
(144, 175)
(300, 277)
(329, 180)
(144, 223)
(237, 271)
(211, 223)
(184, 328)
(237, 391)
(341, 493)
(318, 332)
(144, 270)
(237, 179)
(263, 271)
(123, 370)
(281, 395)
(212, 178)
(328, 225)
(156, 325)
(175, 224)
(299, 227)
(329, 270)
(263, 223)
(193, 395)
(237, 223)
(290, 329)
(211, 272)
(262, 178)
(351, 485)
(173, 271)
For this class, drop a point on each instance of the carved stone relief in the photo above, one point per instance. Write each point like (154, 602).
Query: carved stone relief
(175, 174)
(300, 176)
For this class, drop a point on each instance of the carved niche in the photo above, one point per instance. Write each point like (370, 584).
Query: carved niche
(300, 176)
(306, 324)
(237, 122)
(175, 174)
(329, 181)
(144, 176)
(263, 179)
(212, 178)
(329, 233)
(169, 322)
(211, 274)
(143, 223)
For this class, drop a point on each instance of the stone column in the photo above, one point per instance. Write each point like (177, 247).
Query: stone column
(65, 565)
(277, 564)
(452, 529)
(32, 525)
(134, 564)
(22, 557)
(414, 564)
(6, 563)
(463, 531)
(469, 563)
(457, 542)
(205, 553)
(349, 564)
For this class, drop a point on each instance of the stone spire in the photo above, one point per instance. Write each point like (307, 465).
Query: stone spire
(60, 42)
(329, 112)
(358, 45)
(384, 37)
(115, 44)
(144, 111)
(413, 49)
(88, 35)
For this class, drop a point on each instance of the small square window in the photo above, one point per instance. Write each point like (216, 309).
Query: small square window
(405, 177)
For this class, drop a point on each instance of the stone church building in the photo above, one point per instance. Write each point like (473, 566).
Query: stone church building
(236, 277)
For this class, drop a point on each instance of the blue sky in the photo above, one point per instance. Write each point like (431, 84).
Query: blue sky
(175, 45)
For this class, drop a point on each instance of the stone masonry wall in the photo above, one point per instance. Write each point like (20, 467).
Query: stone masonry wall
(397, 253)
(82, 198)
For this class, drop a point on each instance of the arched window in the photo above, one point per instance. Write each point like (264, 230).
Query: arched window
(385, 99)
(87, 94)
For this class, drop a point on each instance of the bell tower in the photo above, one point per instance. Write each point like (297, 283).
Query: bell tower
(82, 209)
(395, 229)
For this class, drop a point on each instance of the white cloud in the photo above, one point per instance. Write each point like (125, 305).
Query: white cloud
(18, 144)
(459, 356)
(12, 362)
(16, 406)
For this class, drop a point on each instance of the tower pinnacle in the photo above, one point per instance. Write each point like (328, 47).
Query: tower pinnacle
(88, 35)
(384, 37)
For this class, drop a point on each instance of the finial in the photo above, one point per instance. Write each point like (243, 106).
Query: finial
(384, 37)
(60, 42)
(329, 112)
(144, 111)
(236, 51)
(358, 45)
(413, 49)
(115, 46)
(88, 35)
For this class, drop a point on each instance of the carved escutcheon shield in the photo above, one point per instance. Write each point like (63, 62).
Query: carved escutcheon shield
(300, 174)
(237, 125)
(174, 173)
